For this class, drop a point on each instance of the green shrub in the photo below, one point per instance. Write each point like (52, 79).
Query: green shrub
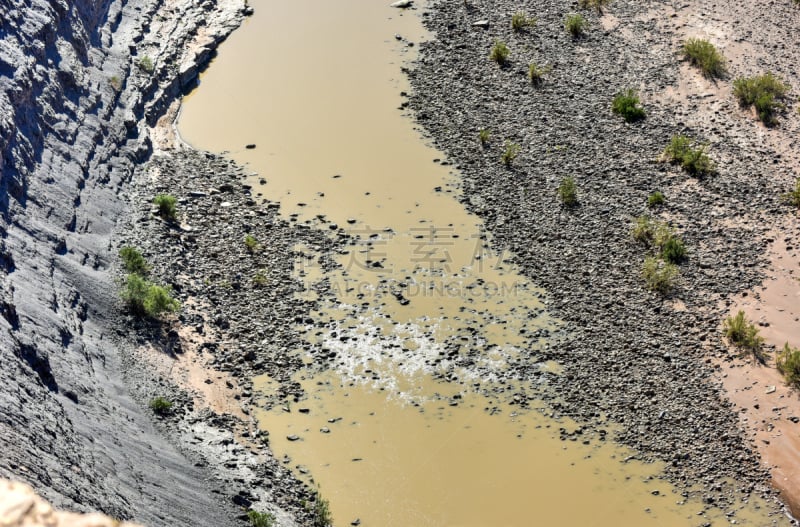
(536, 73)
(788, 362)
(705, 56)
(484, 134)
(261, 278)
(626, 104)
(147, 299)
(659, 275)
(510, 153)
(133, 261)
(673, 250)
(521, 22)
(500, 52)
(765, 92)
(793, 197)
(260, 519)
(576, 25)
(322, 511)
(115, 83)
(743, 333)
(251, 244)
(146, 64)
(160, 406)
(695, 161)
(597, 4)
(643, 229)
(568, 192)
(167, 206)
(655, 199)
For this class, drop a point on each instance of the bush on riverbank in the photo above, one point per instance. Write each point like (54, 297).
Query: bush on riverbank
(160, 406)
(536, 73)
(788, 363)
(765, 92)
(655, 199)
(743, 334)
(568, 192)
(145, 298)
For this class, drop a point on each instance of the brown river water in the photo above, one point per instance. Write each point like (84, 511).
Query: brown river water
(415, 422)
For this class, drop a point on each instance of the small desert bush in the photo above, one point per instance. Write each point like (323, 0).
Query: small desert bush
(160, 406)
(568, 192)
(627, 105)
(500, 52)
(167, 206)
(261, 278)
(146, 64)
(260, 519)
(693, 159)
(484, 134)
(656, 199)
(793, 197)
(115, 83)
(576, 25)
(597, 4)
(251, 244)
(765, 92)
(133, 261)
(673, 250)
(743, 333)
(145, 298)
(536, 73)
(705, 56)
(510, 153)
(659, 275)
(520, 21)
(788, 363)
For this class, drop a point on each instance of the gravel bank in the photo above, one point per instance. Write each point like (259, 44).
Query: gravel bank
(634, 359)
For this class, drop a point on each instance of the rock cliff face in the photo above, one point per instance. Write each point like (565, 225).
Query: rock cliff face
(79, 82)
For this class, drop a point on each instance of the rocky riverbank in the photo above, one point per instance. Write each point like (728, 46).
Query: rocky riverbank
(634, 359)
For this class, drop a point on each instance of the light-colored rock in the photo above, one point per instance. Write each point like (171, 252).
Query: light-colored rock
(402, 4)
(21, 507)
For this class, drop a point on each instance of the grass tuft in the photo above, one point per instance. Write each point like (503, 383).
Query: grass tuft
(576, 25)
(793, 197)
(743, 333)
(146, 64)
(260, 519)
(659, 275)
(705, 56)
(568, 192)
(500, 52)
(484, 134)
(656, 199)
(536, 73)
(695, 161)
(251, 244)
(510, 153)
(521, 22)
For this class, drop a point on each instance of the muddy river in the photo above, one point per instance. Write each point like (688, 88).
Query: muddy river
(419, 421)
